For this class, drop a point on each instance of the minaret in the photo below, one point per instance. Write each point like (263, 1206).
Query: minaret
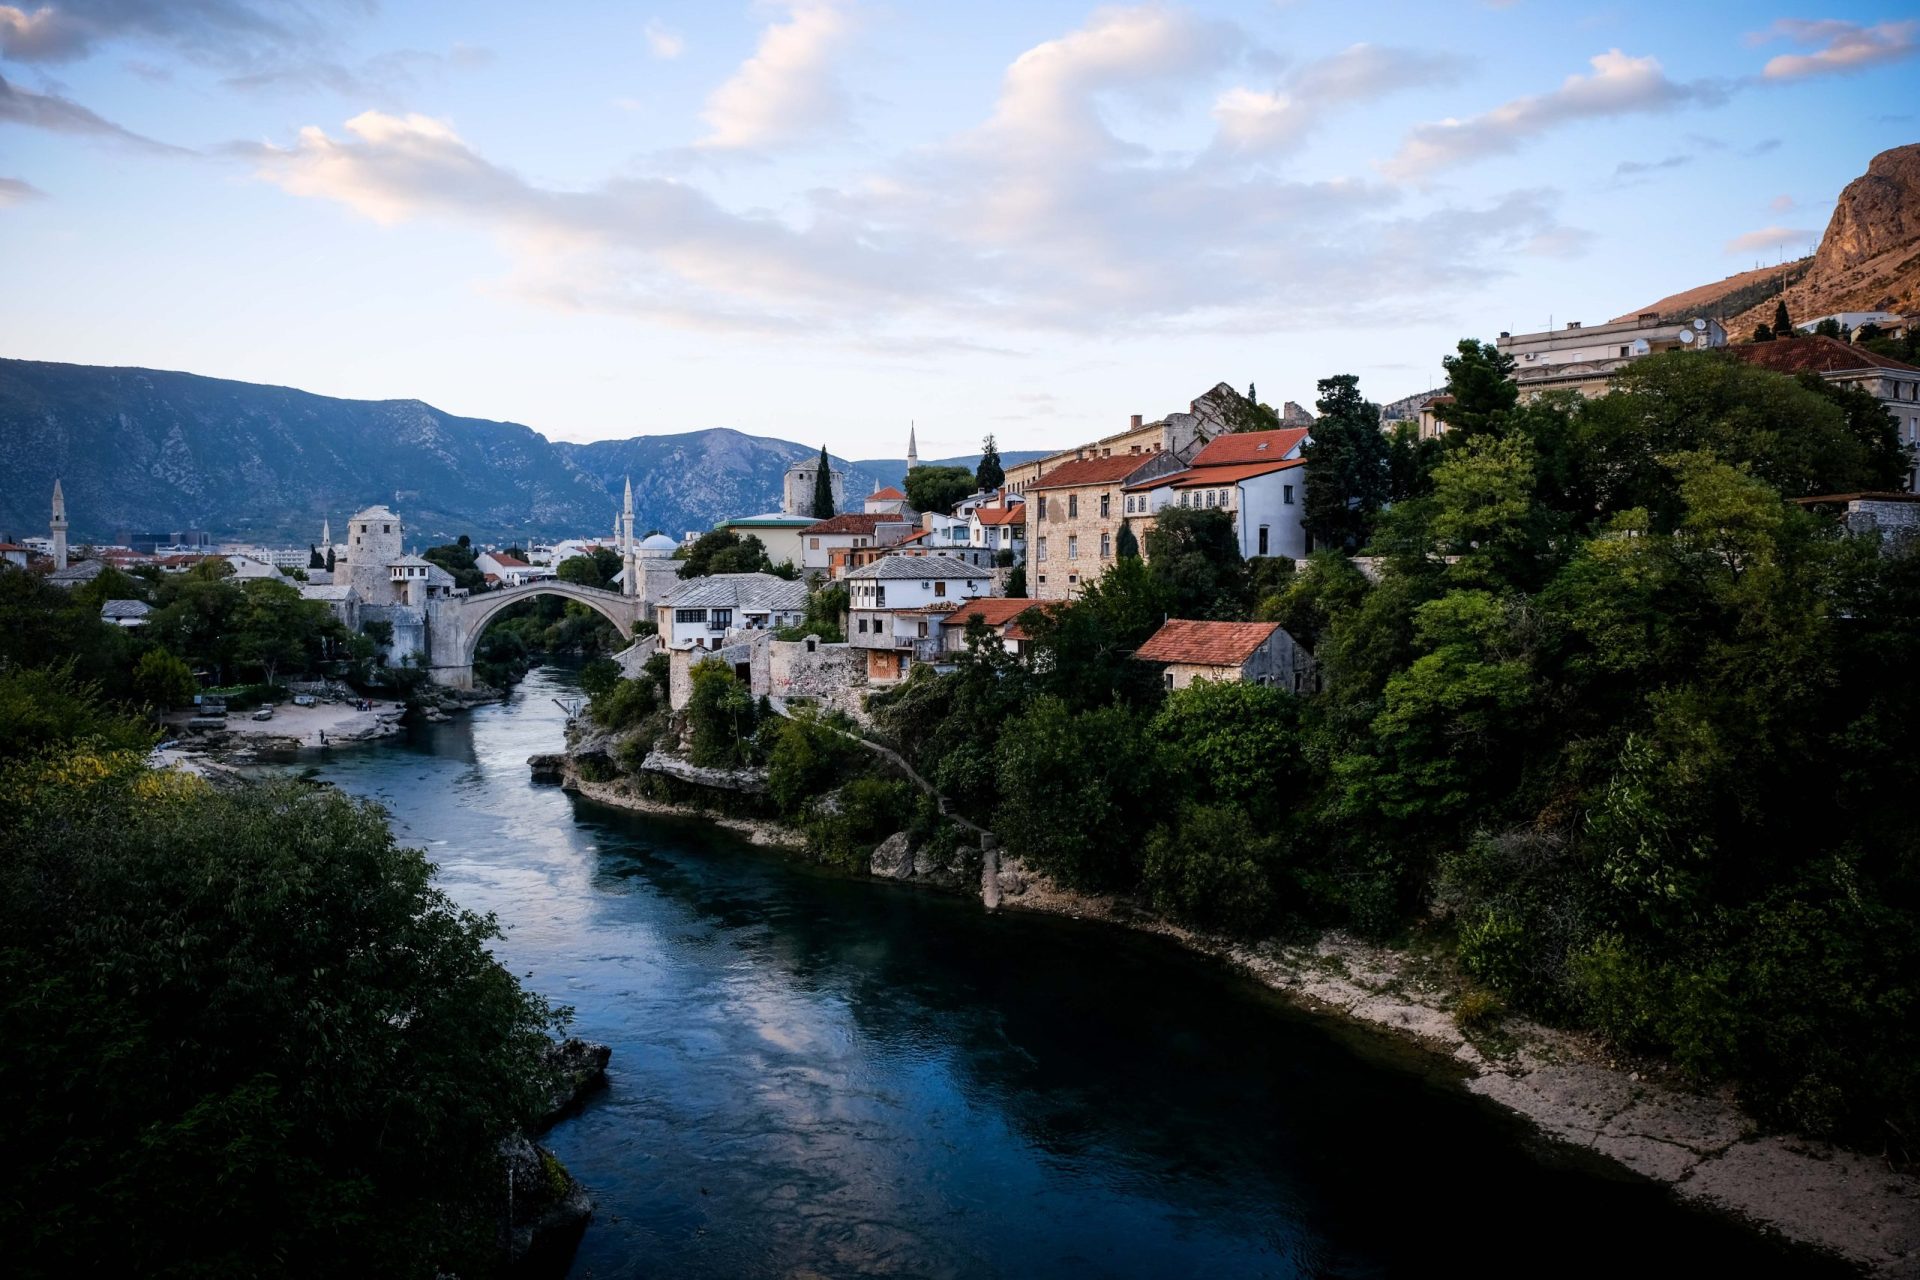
(629, 559)
(326, 535)
(913, 450)
(59, 527)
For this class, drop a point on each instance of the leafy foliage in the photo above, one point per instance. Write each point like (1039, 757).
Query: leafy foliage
(724, 551)
(932, 488)
(989, 475)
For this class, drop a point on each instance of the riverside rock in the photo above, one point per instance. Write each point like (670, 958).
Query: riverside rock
(893, 858)
(579, 1068)
(547, 1209)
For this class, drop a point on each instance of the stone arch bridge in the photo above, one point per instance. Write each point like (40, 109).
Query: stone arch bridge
(454, 624)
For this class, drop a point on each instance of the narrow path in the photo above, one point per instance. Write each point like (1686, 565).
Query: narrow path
(780, 706)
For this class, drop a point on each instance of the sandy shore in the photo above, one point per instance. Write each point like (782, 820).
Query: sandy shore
(315, 726)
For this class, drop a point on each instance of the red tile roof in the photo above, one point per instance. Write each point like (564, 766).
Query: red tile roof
(1206, 477)
(509, 562)
(1813, 354)
(889, 493)
(1093, 471)
(852, 522)
(1206, 644)
(1251, 446)
(1012, 513)
(995, 611)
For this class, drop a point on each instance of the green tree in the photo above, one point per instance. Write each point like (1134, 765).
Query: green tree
(314, 559)
(720, 713)
(1410, 462)
(989, 475)
(1077, 789)
(1017, 582)
(163, 680)
(1480, 389)
(274, 627)
(326, 1052)
(1126, 546)
(1194, 553)
(1083, 651)
(1762, 332)
(1782, 322)
(931, 488)
(1347, 471)
(823, 487)
(582, 571)
(724, 551)
(1828, 328)
(329, 559)
(458, 559)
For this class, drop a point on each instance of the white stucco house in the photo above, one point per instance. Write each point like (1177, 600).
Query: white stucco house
(897, 603)
(701, 612)
(1257, 477)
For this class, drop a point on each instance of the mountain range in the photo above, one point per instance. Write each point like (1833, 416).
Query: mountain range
(144, 450)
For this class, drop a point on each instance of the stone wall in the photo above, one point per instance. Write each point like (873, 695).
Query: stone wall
(748, 647)
(632, 660)
(1896, 522)
(831, 675)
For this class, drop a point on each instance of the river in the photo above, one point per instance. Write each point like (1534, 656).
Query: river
(814, 1075)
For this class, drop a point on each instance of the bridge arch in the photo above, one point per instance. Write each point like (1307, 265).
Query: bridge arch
(455, 626)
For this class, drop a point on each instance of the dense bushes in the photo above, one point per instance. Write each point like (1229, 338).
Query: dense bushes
(245, 1035)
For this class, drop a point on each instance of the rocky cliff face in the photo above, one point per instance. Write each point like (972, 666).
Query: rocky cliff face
(1878, 214)
(1869, 258)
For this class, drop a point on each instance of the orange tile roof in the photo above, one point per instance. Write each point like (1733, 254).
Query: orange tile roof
(1206, 477)
(852, 522)
(509, 562)
(912, 537)
(889, 493)
(995, 611)
(1251, 446)
(1093, 471)
(1012, 513)
(1206, 644)
(1813, 354)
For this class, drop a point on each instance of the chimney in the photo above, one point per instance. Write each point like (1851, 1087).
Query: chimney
(1136, 423)
(1648, 318)
(1573, 324)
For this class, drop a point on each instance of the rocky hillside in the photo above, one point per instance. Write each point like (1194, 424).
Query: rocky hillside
(142, 451)
(1868, 260)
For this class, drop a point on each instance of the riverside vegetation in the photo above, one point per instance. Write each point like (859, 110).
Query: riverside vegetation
(245, 1034)
(1612, 721)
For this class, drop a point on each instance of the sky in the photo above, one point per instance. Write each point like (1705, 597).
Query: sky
(824, 219)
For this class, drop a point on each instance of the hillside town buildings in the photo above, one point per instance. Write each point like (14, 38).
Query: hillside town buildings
(897, 603)
(702, 613)
(1584, 358)
(1186, 650)
(1895, 384)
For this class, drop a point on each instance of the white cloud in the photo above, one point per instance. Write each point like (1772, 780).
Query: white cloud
(1780, 204)
(1844, 46)
(1042, 218)
(1254, 121)
(1620, 85)
(18, 191)
(788, 90)
(1770, 238)
(662, 43)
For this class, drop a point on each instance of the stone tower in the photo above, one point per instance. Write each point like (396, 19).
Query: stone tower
(796, 491)
(373, 543)
(58, 527)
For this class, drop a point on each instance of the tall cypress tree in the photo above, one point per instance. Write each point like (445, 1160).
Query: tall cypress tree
(989, 474)
(1782, 324)
(823, 488)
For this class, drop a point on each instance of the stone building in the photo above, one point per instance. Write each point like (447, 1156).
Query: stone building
(1261, 652)
(1180, 434)
(1073, 518)
(1584, 358)
(703, 613)
(796, 491)
(1258, 478)
(895, 607)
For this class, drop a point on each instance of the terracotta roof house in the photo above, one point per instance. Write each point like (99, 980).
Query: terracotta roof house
(1895, 384)
(825, 544)
(1074, 513)
(895, 607)
(997, 613)
(1257, 477)
(1261, 652)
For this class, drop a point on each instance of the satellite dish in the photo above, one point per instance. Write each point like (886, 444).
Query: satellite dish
(1686, 335)
(1699, 326)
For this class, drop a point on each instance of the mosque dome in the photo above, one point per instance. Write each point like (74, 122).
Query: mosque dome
(657, 544)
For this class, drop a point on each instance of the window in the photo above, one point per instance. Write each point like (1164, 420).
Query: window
(923, 629)
(861, 626)
(879, 597)
(939, 589)
(1263, 540)
(814, 544)
(720, 620)
(1209, 497)
(1286, 494)
(1183, 499)
(1043, 550)
(1104, 500)
(1043, 507)
(1073, 546)
(1166, 679)
(689, 615)
(1106, 542)
(1073, 506)
(386, 528)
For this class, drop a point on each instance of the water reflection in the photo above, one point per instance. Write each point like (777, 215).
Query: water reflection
(814, 1075)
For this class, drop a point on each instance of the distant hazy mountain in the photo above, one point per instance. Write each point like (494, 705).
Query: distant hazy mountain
(142, 451)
